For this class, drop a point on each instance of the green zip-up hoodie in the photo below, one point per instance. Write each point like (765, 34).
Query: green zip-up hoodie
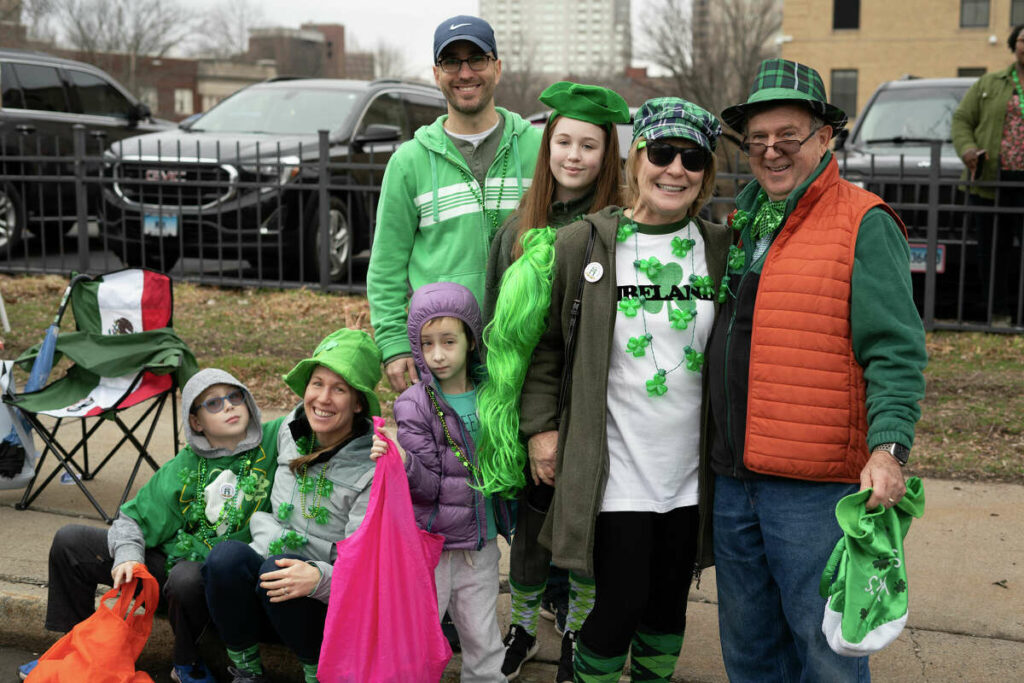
(430, 226)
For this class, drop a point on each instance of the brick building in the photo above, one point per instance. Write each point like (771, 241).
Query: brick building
(858, 44)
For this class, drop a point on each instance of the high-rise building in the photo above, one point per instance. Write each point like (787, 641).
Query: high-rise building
(571, 37)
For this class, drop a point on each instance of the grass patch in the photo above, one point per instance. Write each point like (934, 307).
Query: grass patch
(972, 423)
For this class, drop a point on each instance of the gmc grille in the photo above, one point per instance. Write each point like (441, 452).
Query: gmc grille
(189, 185)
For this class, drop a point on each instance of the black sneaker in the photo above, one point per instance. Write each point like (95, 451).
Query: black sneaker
(241, 676)
(520, 647)
(565, 661)
(451, 633)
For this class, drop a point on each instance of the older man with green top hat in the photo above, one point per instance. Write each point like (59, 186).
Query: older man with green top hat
(815, 370)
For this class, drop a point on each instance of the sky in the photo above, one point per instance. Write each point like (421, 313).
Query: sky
(409, 23)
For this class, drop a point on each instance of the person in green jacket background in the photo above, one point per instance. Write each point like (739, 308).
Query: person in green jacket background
(205, 495)
(446, 191)
(988, 134)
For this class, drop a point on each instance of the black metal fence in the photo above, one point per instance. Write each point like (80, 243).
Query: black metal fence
(304, 215)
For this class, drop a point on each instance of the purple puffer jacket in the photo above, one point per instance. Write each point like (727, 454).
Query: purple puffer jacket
(442, 498)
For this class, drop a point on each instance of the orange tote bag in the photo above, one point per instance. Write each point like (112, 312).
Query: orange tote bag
(104, 647)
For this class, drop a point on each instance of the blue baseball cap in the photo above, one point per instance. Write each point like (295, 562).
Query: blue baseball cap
(464, 27)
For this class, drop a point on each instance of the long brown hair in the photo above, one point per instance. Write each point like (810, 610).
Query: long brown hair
(534, 206)
(632, 194)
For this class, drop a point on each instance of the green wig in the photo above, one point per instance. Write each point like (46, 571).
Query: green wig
(520, 317)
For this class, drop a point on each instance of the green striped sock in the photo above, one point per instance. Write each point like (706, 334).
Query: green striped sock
(309, 671)
(590, 667)
(247, 659)
(581, 600)
(654, 655)
(526, 605)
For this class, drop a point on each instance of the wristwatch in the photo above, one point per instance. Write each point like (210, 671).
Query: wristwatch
(897, 450)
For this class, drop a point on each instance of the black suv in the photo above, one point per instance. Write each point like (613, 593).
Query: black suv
(41, 98)
(242, 180)
(888, 151)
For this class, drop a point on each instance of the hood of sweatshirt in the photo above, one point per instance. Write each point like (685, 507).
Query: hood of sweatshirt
(444, 299)
(200, 382)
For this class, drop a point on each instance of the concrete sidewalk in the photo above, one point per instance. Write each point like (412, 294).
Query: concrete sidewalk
(965, 565)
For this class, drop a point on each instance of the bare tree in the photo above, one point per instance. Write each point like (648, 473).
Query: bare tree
(22, 21)
(224, 30)
(711, 54)
(521, 80)
(389, 61)
(131, 27)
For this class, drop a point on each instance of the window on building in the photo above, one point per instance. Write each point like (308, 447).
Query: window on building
(97, 96)
(42, 87)
(845, 14)
(844, 90)
(974, 13)
(150, 97)
(970, 71)
(1016, 12)
(183, 101)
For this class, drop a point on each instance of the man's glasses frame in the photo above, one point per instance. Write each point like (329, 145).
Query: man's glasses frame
(661, 154)
(453, 65)
(785, 147)
(215, 404)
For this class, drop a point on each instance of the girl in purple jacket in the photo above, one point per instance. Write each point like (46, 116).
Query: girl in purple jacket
(437, 424)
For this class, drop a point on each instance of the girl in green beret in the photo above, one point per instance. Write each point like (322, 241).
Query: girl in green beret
(578, 172)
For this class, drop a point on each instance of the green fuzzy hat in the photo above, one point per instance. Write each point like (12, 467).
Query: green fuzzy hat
(350, 353)
(590, 103)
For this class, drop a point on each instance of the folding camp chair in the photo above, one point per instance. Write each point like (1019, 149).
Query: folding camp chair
(125, 354)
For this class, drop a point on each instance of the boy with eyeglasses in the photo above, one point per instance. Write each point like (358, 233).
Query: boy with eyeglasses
(204, 495)
(446, 192)
(814, 372)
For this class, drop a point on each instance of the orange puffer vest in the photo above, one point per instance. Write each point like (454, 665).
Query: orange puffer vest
(806, 415)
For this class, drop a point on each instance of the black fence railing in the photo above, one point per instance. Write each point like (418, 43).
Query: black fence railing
(304, 215)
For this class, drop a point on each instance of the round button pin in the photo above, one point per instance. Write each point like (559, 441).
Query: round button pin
(593, 272)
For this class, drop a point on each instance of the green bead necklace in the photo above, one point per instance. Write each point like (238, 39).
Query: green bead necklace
(1020, 92)
(321, 488)
(473, 470)
(480, 196)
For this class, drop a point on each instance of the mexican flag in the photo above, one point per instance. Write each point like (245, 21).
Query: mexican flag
(124, 350)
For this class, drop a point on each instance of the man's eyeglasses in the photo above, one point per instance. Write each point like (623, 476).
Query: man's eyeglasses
(787, 147)
(694, 159)
(451, 65)
(216, 404)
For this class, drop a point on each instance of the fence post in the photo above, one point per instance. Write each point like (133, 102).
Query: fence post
(933, 234)
(323, 207)
(81, 211)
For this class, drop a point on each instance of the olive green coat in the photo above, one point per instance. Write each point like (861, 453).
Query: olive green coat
(582, 468)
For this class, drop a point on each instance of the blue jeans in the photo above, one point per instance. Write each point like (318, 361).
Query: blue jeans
(243, 612)
(772, 540)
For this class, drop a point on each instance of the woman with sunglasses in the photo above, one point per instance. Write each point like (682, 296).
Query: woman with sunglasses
(279, 584)
(578, 171)
(634, 297)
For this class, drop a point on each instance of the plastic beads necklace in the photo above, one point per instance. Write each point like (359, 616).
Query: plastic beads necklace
(321, 488)
(1020, 92)
(448, 437)
(481, 196)
(679, 318)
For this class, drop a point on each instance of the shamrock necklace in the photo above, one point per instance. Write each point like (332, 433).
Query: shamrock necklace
(679, 318)
(321, 488)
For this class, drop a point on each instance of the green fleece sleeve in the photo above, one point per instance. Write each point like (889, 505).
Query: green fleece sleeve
(155, 507)
(888, 337)
(387, 278)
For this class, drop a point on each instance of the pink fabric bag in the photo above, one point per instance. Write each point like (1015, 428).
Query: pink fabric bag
(382, 622)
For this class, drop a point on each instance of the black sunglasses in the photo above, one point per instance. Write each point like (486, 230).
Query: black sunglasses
(216, 404)
(662, 153)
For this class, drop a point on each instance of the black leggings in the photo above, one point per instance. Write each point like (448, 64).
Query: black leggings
(643, 562)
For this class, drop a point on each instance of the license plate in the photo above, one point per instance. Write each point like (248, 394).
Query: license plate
(919, 258)
(160, 225)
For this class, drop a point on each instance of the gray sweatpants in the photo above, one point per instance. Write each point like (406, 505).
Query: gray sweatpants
(467, 586)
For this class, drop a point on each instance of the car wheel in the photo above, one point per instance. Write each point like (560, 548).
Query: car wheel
(339, 242)
(11, 219)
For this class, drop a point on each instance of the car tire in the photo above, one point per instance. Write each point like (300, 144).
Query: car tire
(12, 219)
(340, 246)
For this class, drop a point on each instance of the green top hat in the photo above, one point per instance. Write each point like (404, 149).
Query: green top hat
(590, 103)
(350, 353)
(781, 81)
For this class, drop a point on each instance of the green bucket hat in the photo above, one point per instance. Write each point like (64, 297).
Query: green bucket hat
(350, 353)
(674, 117)
(590, 103)
(782, 81)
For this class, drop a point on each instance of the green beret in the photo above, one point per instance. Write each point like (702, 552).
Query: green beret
(590, 103)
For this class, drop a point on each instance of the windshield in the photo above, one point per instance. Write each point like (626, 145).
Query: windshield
(279, 111)
(918, 113)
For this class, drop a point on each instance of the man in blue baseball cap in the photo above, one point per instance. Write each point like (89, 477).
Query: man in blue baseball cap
(446, 191)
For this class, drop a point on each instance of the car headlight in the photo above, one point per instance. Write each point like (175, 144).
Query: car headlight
(284, 169)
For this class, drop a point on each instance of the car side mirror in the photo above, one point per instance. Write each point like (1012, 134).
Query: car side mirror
(841, 137)
(139, 112)
(377, 132)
